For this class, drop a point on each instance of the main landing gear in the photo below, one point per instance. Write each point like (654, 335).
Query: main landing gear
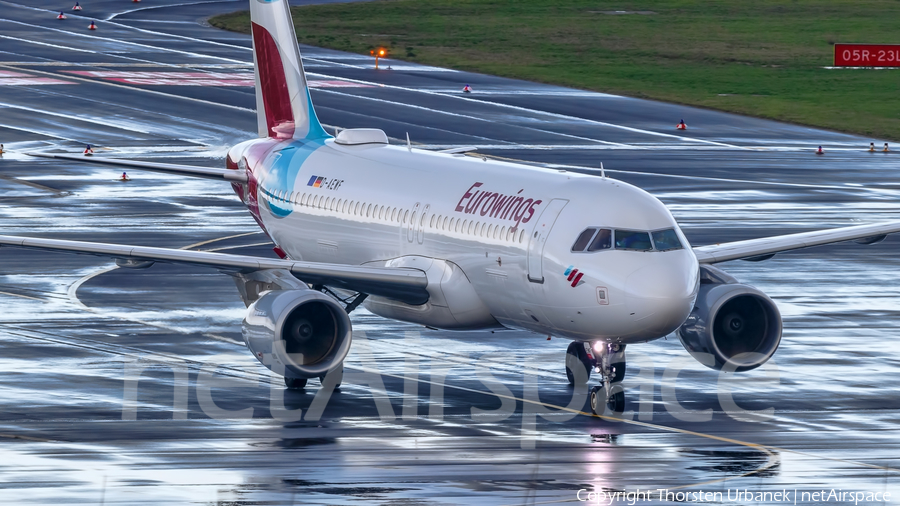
(607, 359)
(300, 383)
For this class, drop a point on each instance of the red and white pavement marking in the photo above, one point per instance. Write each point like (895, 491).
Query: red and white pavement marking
(8, 78)
(170, 78)
(196, 79)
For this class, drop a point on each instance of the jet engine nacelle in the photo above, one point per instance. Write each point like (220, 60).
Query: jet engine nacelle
(297, 333)
(731, 324)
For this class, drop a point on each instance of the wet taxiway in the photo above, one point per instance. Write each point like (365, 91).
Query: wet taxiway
(423, 416)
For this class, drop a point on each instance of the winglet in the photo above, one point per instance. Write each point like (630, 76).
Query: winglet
(284, 108)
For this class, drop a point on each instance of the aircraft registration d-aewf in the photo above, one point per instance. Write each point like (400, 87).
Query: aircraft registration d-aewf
(455, 242)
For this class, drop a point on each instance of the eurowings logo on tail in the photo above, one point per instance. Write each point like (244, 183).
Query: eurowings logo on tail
(283, 103)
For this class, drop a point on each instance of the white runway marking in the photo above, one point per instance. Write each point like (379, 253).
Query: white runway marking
(153, 92)
(149, 7)
(539, 112)
(476, 118)
(43, 133)
(129, 27)
(706, 178)
(120, 41)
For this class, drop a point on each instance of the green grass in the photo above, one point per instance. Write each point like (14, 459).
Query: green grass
(761, 58)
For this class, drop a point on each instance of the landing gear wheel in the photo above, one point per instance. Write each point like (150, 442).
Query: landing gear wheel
(339, 372)
(576, 362)
(295, 383)
(597, 397)
(616, 402)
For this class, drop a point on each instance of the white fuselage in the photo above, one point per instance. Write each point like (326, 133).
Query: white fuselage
(508, 228)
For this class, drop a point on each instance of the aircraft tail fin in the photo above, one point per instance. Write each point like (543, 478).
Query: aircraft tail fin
(284, 108)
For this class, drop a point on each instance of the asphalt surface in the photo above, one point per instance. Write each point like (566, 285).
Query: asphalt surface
(412, 423)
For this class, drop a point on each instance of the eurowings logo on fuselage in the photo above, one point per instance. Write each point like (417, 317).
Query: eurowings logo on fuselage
(574, 276)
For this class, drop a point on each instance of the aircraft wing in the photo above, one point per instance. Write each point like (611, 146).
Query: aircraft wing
(397, 283)
(765, 247)
(237, 176)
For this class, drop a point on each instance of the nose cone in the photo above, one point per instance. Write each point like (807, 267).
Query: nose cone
(659, 296)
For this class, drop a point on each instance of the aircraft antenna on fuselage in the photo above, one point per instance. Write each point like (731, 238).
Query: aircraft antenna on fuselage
(284, 108)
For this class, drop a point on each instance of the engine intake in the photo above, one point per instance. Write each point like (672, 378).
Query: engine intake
(735, 324)
(298, 333)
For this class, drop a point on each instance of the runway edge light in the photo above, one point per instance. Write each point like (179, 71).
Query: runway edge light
(681, 126)
(92, 26)
(61, 15)
(76, 7)
(379, 52)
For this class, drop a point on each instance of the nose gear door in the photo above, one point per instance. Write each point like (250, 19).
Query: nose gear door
(538, 239)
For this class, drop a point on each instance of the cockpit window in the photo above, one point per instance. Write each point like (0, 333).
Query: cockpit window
(583, 239)
(666, 240)
(633, 240)
(597, 239)
(601, 240)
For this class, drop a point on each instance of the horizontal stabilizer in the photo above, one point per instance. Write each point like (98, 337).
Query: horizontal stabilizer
(237, 176)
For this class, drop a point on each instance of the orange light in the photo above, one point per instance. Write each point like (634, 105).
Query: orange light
(381, 52)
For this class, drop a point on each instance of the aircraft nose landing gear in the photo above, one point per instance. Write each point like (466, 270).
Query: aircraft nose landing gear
(610, 360)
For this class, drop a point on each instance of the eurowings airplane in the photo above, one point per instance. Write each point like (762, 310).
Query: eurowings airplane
(455, 242)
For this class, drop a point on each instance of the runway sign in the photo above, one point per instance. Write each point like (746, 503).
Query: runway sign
(867, 55)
